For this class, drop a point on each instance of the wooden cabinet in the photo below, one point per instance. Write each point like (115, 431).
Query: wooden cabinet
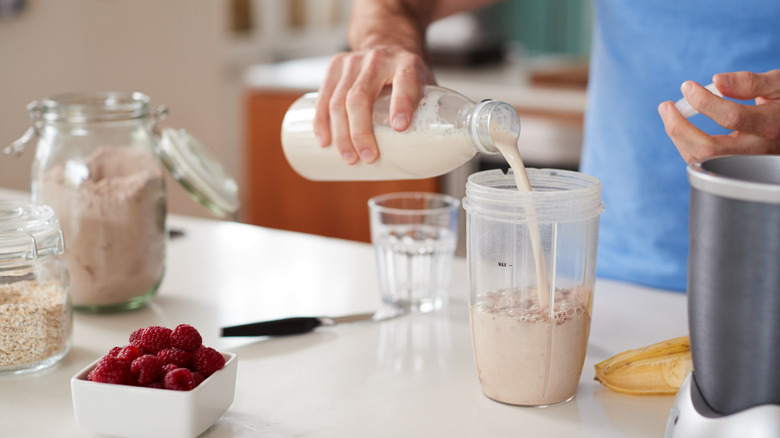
(277, 197)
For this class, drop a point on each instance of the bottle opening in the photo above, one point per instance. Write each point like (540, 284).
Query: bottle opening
(490, 120)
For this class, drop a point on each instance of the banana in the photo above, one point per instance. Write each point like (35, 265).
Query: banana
(656, 369)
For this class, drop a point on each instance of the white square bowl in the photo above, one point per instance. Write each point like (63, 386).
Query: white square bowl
(132, 411)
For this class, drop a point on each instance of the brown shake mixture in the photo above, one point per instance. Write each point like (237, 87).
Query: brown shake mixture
(527, 354)
(111, 209)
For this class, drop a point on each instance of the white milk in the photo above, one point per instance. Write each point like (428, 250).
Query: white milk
(436, 142)
(507, 145)
(403, 155)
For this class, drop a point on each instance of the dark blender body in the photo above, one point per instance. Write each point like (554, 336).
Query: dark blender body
(734, 283)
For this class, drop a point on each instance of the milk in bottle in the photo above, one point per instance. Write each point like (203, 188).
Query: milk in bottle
(447, 130)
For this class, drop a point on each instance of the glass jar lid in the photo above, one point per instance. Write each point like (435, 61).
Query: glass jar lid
(27, 233)
(198, 171)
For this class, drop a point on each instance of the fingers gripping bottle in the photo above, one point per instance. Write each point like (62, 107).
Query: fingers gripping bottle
(447, 130)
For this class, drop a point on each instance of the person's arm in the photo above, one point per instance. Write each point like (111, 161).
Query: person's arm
(387, 38)
(755, 128)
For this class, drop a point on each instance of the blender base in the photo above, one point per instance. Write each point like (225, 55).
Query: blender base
(686, 421)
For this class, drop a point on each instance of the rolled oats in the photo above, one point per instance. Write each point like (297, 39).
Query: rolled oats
(34, 322)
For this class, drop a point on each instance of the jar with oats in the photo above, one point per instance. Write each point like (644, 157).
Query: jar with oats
(35, 314)
(99, 164)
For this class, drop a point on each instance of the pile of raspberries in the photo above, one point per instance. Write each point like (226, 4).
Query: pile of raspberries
(158, 357)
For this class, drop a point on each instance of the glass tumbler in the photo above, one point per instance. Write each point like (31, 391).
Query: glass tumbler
(415, 236)
(532, 269)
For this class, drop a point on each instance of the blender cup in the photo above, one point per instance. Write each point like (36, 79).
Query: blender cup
(530, 341)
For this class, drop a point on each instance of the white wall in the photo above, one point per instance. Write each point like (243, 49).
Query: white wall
(173, 50)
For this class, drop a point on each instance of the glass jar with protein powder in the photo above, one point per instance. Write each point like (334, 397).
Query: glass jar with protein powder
(99, 164)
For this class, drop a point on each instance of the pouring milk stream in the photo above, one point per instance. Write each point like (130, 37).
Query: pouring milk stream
(506, 143)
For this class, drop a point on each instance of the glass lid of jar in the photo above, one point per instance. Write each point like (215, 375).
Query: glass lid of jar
(27, 232)
(198, 171)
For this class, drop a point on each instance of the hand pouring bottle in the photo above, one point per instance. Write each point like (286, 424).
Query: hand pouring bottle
(447, 130)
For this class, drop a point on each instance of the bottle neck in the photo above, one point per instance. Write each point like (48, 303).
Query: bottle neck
(491, 119)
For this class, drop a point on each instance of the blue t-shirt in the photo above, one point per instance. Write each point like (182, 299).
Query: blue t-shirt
(642, 52)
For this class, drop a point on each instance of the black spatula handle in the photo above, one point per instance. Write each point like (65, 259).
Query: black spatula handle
(278, 327)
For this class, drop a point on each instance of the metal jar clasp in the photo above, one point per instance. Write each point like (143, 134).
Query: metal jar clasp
(17, 147)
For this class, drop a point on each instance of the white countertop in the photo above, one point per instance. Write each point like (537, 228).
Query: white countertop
(412, 376)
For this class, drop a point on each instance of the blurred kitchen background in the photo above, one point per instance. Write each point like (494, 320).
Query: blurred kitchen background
(228, 69)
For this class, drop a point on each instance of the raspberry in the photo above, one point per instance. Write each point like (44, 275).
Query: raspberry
(158, 357)
(186, 337)
(182, 359)
(156, 338)
(141, 349)
(128, 354)
(198, 377)
(179, 379)
(111, 370)
(147, 368)
(208, 360)
(136, 335)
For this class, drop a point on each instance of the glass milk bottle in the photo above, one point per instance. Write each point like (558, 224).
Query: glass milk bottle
(447, 130)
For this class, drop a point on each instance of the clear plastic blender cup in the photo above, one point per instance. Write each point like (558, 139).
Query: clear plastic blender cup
(529, 341)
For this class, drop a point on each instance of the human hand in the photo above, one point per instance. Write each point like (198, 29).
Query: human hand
(344, 110)
(755, 128)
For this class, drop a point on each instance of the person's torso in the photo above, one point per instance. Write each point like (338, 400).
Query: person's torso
(642, 53)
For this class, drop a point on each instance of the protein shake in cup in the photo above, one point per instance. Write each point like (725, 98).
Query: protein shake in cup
(532, 268)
